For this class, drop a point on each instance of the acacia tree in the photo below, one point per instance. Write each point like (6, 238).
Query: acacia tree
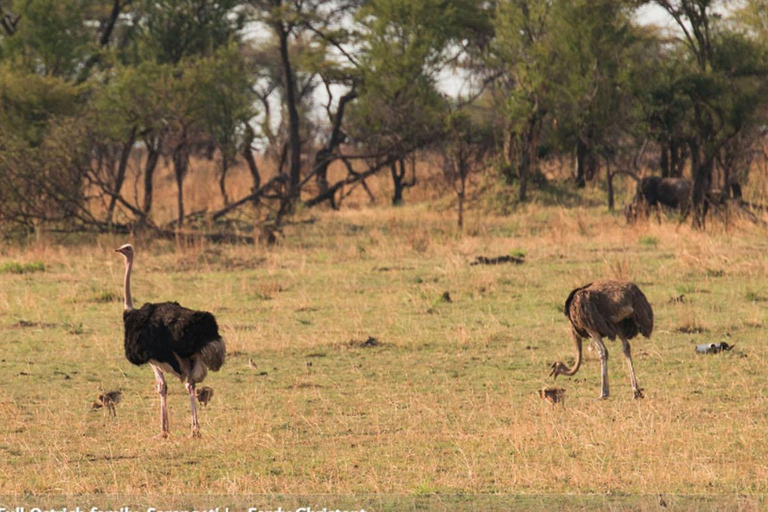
(175, 35)
(520, 56)
(404, 48)
(311, 24)
(722, 81)
(468, 139)
(223, 102)
(589, 90)
(42, 151)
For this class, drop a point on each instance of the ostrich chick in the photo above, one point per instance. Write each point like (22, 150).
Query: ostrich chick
(204, 395)
(108, 400)
(172, 339)
(553, 395)
(606, 309)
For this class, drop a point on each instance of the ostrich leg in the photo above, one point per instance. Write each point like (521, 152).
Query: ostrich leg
(628, 354)
(603, 351)
(162, 390)
(195, 425)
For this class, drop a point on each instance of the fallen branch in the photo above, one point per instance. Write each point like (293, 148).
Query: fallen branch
(483, 260)
(227, 238)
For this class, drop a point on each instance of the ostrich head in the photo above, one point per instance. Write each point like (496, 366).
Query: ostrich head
(126, 250)
(559, 368)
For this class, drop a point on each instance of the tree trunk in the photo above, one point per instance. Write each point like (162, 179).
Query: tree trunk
(581, 157)
(121, 170)
(524, 168)
(223, 179)
(251, 161)
(609, 174)
(324, 158)
(463, 170)
(530, 147)
(593, 164)
(153, 155)
(180, 164)
(398, 182)
(293, 115)
(107, 28)
(702, 164)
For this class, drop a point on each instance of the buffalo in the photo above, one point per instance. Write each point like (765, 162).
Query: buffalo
(654, 191)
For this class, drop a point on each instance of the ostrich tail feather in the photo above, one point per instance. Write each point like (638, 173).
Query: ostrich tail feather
(213, 354)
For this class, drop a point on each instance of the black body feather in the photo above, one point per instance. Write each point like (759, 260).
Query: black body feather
(158, 331)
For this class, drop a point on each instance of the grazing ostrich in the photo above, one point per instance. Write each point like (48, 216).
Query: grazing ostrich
(607, 309)
(171, 339)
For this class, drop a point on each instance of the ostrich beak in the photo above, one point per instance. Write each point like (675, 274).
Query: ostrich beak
(553, 371)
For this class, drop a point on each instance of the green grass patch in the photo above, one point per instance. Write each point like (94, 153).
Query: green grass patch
(14, 267)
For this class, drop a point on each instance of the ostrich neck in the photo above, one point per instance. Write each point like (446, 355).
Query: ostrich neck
(128, 302)
(577, 364)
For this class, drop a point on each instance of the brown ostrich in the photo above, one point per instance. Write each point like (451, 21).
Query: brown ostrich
(607, 309)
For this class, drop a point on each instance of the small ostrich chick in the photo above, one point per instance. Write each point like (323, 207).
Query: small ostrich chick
(108, 400)
(553, 395)
(204, 395)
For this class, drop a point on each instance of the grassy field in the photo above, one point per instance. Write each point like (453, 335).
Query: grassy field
(371, 389)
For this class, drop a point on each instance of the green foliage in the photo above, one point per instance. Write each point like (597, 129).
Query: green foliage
(591, 41)
(174, 29)
(520, 51)
(753, 16)
(53, 36)
(221, 97)
(405, 46)
(29, 102)
(43, 149)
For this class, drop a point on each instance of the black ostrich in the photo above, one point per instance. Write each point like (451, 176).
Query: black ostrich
(171, 339)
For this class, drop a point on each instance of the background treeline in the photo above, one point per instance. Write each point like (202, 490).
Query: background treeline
(90, 90)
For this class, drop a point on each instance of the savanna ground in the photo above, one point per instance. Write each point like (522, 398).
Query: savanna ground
(441, 411)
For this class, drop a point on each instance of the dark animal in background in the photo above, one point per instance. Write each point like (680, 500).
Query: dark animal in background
(656, 192)
(171, 339)
(606, 309)
(108, 400)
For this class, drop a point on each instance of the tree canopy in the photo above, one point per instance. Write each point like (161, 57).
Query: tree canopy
(92, 92)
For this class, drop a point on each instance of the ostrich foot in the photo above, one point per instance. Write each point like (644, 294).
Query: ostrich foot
(162, 435)
(195, 434)
(639, 393)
